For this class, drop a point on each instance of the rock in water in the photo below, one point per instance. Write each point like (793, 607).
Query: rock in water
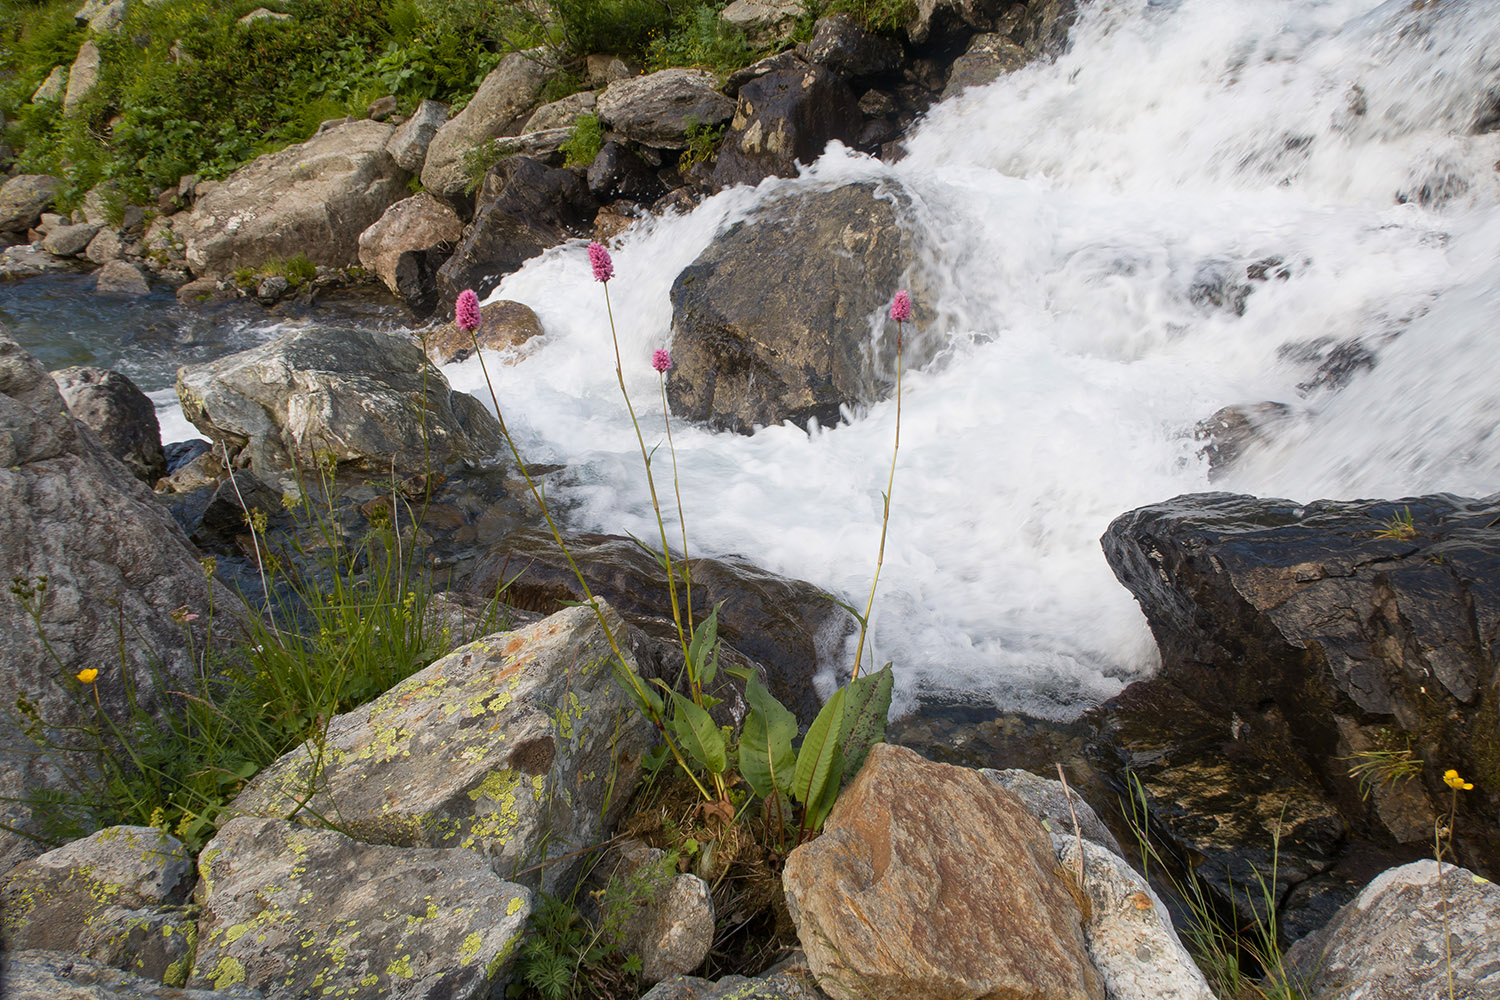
(119, 414)
(933, 881)
(767, 329)
(363, 398)
(783, 118)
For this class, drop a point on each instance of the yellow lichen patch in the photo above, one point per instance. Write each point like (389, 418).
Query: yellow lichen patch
(369, 980)
(514, 906)
(227, 972)
(236, 932)
(470, 948)
(400, 968)
(493, 968)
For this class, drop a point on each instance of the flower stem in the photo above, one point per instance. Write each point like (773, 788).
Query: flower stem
(885, 517)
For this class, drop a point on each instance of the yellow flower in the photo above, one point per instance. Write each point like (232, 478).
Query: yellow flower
(1452, 780)
(87, 676)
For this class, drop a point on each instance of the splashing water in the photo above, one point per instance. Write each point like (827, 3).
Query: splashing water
(1190, 208)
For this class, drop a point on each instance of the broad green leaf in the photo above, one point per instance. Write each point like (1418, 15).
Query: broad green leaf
(709, 670)
(819, 749)
(647, 700)
(766, 758)
(816, 812)
(705, 638)
(865, 709)
(699, 734)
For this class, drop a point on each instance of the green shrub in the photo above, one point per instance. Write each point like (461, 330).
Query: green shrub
(585, 142)
(703, 142)
(876, 15)
(699, 38)
(625, 27)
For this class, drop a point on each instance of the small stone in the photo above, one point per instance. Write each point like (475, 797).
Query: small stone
(262, 14)
(382, 109)
(121, 279)
(52, 88)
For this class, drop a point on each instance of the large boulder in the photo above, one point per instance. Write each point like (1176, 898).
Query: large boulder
(296, 912)
(933, 881)
(526, 207)
(1337, 617)
(839, 43)
(22, 200)
(114, 896)
(657, 110)
(91, 551)
(119, 415)
(120, 279)
(1415, 931)
(49, 975)
(367, 400)
(413, 224)
(783, 118)
(410, 142)
(764, 22)
(522, 746)
(313, 199)
(766, 329)
(562, 113)
(499, 107)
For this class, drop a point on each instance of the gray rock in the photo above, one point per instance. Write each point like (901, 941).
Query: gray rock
(22, 199)
(261, 14)
(562, 114)
(70, 241)
(617, 172)
(503, 325)
(104, 247)
(521, 746)
(604, 69)
(987, 59)
(766, 330)
(674, 928)
(931, 881)
(52, 88)
(56, 975)
(272, 289)
(658, 109)
(1129, 932)
(500, 106)
(314, 199)
(1389, 942)
(364, 398)
(415, 223)
(764, 22)
(409, 143)
(103, 16)
(299, 912)
(382, 109)
(843, 46)
(1048, 801)
(784, 118)
(121, 417)
(110, 553)
(120, 279)
(25, 260)
(82, 77)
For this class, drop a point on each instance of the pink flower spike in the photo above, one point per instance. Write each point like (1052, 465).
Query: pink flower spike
(466, 311)
(604, 268)
(901, 307)
(661, 360)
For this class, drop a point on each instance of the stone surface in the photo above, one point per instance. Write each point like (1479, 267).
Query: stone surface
(22, 200)
(56, 975)
(988, 58)
(313, 199)
(521, 746)
(525, 208)
(562, 113)
(657, 110)
(366, 399)
(503, 325)
(121, 417)
(766, 330)
(102, 15)
(783, 118)
(120, 279)
(1389, 942)
(617, 172)
(1333, 610)
(764, 22)
(499, 108)
(931, 880)
(408, 145)
(52, 88)
(105, 247)
(1232, 429)
(839, 43)
(603, 69)
(69, 241)
(110, 553)
(1048, 801)
(264, 16)
(415, 223)
(82, 76)
(1129, 931)
(299, 912)
(674, 927)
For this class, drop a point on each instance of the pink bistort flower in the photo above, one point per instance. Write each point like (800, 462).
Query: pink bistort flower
(661, 360)
(901, 307)
(604, 268)
(466, 311)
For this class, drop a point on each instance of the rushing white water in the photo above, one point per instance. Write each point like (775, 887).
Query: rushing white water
(1071, 209)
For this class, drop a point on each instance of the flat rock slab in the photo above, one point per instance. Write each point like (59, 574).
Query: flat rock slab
(58, 975)
(521, 746)
(296, 912)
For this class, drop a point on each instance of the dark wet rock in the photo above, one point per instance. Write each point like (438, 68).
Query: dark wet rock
(783, 118)
(1338, 361)
(770, 64)
(658, 109)
(786, 626)
(766, 330)
(217, 517)
(503, 325)
(1378, 613)
(368, 401)
(618, 173)
(534, 207)
(843, 46)
(179, 453)
(121, 417)
(1232, 429)
(988, 57)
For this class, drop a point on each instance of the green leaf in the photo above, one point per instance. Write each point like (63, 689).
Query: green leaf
(647, 700)
(847, 607)
(705, 638)
(660, 557)
(819, 748)
(817, 811)
(766, 759)
(866, 707)
(699, 734)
